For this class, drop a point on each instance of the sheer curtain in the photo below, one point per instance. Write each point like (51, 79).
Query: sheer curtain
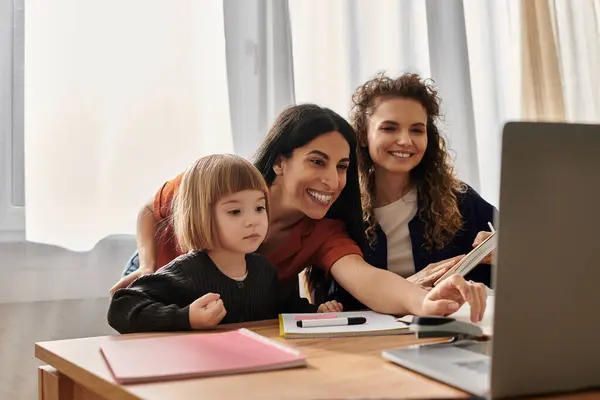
(119, 97)
(542, 84)
(577, 29)
(259, 67)
(561, 74)
(493, 31)
(122, 96)
(470, 48)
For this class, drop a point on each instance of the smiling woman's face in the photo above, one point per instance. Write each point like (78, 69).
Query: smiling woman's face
(315, 174)
(397, 134)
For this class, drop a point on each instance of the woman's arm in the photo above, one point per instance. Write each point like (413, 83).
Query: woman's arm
(146, 233)
(385, 292)
(379, 289)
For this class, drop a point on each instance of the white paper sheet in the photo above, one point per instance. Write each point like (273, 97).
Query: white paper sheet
(377, 324)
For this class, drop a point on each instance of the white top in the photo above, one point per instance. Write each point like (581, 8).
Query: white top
(240, 278)
(394, 219)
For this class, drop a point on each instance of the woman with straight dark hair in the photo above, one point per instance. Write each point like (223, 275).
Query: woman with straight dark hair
(309, 162)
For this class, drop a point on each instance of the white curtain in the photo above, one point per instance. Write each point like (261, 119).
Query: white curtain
(119, 97)
(577, 26)
(471, 49)
(493, 32)
(259, 66)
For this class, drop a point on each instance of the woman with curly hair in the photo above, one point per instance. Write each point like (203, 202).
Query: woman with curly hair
(420, 218)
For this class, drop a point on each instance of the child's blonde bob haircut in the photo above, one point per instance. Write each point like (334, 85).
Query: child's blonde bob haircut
(203, 184)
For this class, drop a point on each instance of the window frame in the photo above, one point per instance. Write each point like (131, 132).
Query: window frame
(12, 160)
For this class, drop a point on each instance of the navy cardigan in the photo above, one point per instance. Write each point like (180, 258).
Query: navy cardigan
(476, 213)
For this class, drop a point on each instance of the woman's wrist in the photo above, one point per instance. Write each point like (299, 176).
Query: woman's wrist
(416, 301)
(148, 267)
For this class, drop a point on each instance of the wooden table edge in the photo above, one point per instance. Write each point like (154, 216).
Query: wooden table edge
(82, 377)
(98, 385)
(103, 388)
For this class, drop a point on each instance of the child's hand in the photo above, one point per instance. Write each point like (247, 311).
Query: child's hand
(330, 306)
(207, 311)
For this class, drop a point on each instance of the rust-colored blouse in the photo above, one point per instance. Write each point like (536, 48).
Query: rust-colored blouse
(311, 242)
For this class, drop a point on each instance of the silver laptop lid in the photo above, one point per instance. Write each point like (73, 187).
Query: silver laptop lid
(548, 260)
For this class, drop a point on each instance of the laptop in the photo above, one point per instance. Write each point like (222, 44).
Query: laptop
(546, 320)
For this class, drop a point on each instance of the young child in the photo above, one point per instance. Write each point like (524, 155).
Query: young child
(220, 217)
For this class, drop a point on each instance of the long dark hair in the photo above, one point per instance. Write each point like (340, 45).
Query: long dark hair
(295, 127)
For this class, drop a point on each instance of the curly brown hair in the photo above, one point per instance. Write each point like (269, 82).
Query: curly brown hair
(434, 178)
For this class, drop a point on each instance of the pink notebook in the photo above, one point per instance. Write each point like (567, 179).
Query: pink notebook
(196, 355)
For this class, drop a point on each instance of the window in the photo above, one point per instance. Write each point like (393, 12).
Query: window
(12, 188)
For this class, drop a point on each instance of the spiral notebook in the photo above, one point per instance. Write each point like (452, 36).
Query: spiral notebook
(377, 324)
(195, 355)
(471, 260)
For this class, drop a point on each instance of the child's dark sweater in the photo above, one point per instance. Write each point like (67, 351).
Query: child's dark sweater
(160, 301)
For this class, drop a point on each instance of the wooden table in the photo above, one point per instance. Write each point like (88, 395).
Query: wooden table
(337, 368)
